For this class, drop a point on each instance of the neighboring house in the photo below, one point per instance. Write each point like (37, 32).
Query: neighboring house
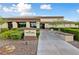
(34, 22)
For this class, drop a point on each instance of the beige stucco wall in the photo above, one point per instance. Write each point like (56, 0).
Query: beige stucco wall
(70, 25)
(14, 24)
(51, 19)
(73, 25)
(47, 25)
(38, 24)
(27, 24)
(5, 25)
(67, 25)
(61, 25)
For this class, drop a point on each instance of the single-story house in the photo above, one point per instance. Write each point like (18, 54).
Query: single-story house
(35, 22)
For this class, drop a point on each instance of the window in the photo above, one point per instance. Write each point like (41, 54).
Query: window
(21, 24)
(33, 24)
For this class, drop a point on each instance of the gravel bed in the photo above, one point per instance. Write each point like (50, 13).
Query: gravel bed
(22, 47)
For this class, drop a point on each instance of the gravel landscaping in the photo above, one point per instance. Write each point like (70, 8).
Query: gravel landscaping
(22, 47)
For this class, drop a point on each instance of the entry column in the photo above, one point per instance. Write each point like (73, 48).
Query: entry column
(38, 24)
(27, 24)
(14, 24)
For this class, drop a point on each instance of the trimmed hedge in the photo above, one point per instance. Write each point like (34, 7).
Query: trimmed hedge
(11, 34)
(72, 31)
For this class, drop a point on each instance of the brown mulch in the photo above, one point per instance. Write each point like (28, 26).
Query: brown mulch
(22, 47)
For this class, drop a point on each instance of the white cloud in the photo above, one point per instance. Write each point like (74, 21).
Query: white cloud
(5, 9)
(12, 8)
(13, 5)
(46, 6)
(77, 10)
(23, 7)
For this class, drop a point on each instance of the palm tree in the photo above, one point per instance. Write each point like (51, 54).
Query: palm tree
(1, 22)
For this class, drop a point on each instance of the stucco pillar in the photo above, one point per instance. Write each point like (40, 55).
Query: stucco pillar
(38, 24)
(27, 24)
(14, 24)
(5, 25)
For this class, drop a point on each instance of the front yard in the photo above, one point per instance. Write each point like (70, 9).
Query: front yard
(21, 48)
(12, 43)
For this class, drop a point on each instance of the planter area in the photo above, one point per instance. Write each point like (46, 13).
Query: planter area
(14, 34)
(65, 36)
(74, 31)
(12, 43)
(21, 47)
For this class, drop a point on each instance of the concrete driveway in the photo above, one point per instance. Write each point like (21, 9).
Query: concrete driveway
(50, 44)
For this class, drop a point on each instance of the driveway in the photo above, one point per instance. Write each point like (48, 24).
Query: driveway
(50, 44)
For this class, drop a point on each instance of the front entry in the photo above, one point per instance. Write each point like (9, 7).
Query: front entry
(42, 26)
(10, 26)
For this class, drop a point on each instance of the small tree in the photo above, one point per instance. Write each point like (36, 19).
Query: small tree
(1, 22)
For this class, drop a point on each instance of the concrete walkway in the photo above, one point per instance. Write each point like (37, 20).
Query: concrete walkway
(50, 44)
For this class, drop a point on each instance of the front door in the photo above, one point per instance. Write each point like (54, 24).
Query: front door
(10, 26)
(42, 26)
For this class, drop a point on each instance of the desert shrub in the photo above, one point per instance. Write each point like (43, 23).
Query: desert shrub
(4, 29)
(14, 28)
(5, 35)
(16, 35)
(37, 33)
(12, 34)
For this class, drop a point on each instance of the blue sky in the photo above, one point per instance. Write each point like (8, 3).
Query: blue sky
(69, 10)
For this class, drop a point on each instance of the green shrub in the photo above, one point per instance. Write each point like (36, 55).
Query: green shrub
(12, 34)
(55, 29)
(37, 33)
(16, 35)
(5, 35)
(14, 28)
(4, 29)
(72, 31)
